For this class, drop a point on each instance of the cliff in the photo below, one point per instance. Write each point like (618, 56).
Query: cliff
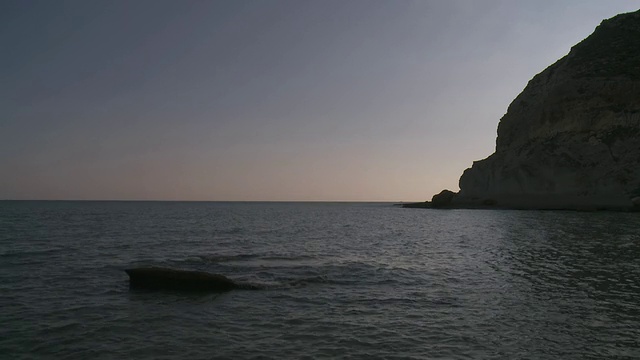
(571, 139)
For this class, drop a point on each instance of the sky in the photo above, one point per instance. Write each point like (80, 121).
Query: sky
(266, 100)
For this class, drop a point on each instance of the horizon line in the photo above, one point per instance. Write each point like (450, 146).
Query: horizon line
(228, 201)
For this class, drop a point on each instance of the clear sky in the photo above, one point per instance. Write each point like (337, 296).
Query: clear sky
(266, 100)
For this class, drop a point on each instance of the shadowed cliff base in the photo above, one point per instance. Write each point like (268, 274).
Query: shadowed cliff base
(571, 139)
(531, 202)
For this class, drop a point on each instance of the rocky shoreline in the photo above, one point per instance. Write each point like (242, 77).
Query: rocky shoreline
(571, 139)
(524, 206)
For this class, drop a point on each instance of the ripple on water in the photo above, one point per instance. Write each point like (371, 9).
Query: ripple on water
(338, 280)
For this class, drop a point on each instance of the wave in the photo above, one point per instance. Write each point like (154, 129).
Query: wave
(19, 253)
(224, 258)
(231, 231)
(283, 284)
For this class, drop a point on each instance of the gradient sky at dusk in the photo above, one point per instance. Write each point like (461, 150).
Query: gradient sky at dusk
(266, 100)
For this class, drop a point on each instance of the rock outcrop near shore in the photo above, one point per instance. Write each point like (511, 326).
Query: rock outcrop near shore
(156, 278)
(571, 139)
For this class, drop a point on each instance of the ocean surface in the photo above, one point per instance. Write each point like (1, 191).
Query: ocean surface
(337, 280)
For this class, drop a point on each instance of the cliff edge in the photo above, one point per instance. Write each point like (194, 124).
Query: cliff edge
(571, 139)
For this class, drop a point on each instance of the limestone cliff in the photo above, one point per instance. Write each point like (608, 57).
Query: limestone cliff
(571, 139)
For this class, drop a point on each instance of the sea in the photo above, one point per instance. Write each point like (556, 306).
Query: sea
(335, 281)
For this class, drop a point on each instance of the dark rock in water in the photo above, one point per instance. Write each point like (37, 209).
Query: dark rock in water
(571, 139)
(442, 199)
(184, 280)
(418, 205)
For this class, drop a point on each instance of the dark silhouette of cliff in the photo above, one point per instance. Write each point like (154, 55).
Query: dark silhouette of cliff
(571, 139)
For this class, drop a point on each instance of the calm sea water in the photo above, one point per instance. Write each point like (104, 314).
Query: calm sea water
(338, 280)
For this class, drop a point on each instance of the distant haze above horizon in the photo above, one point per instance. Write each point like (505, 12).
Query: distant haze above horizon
(266, 100)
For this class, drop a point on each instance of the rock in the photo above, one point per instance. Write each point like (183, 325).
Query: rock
(418, 205)
(185, 280)
(442, 199)
(489, 202)
(570, 139)
(636, 201)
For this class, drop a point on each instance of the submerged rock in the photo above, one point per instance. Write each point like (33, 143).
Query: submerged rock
(571, 139)
(185, 280)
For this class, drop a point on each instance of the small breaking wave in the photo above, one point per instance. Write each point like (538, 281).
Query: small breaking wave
(246, 258)
(282, 284)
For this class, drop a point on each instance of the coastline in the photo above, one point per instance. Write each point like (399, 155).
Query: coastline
(539, 207)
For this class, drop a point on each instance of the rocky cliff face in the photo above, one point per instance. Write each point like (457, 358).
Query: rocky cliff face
(571, 139)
